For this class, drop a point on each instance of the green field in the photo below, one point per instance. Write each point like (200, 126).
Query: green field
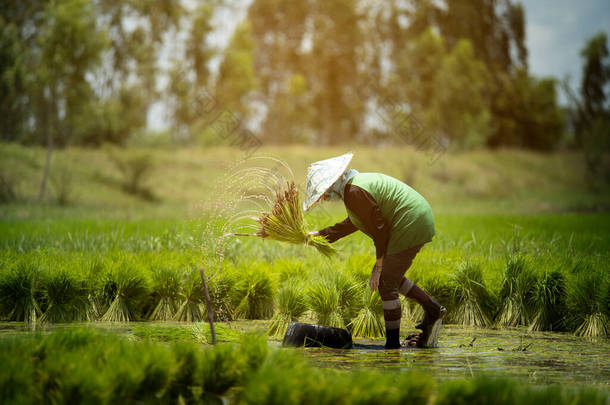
(512, 227)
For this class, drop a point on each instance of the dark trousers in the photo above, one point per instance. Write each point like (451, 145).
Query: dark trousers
(392, 282)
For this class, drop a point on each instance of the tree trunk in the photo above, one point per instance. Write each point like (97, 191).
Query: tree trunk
(47, 166)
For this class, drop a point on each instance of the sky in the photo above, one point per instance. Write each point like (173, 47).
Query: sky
(556, 31)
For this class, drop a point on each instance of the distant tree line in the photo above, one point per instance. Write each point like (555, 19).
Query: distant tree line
(88, 71)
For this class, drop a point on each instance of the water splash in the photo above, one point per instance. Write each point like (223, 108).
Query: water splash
(236, 201)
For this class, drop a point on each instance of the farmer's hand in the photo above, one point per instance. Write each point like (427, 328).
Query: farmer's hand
(310, 234)
(374, 282)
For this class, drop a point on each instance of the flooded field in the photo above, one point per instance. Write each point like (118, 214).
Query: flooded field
(539, 357)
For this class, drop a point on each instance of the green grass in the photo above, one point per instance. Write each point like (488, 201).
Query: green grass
(137, 259)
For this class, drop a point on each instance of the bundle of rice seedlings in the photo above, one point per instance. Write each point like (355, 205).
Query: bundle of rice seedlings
(470, 296)
(517, 293)
(350, 294)
(369, 321)
(549, 302)
(66, 296)
(221, 287)
(324, 302)
(439, 286)
(166, 292)
(123, 289)
(255, 292)
(286, 221)
(19, 292)
(586, 303)
(291, 305)
(191, 309)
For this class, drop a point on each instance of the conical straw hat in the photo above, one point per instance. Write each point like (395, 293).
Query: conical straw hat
(321, 175)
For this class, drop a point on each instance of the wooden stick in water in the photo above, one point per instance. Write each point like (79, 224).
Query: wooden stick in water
(208, 302)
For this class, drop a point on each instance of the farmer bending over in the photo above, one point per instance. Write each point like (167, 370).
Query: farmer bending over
(397, 218)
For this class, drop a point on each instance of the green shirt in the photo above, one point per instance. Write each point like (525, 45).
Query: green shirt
(407, 213)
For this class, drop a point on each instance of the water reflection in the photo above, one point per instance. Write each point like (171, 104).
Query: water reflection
(539, 357)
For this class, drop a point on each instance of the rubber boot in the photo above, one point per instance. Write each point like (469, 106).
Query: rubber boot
(392, 338)
(433, 315)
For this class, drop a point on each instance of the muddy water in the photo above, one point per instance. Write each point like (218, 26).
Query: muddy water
(539, 357)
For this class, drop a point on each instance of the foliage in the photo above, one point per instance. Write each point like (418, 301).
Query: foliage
(254, 295)
(7, 188)
(473, 301)
(123, 289)
(286, 221)
(549, 302)
(62, 183)
(135, 170)
(66, 297)
(368, 323)
(191, 309)
(83, 365)
(516, 293)
(333, 298)
(585, 301)
(166, 292)
(291, 305)
(20, 291)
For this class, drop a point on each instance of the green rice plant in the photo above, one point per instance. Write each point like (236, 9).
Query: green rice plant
(222, 291)
(291, 305)
(191, 308)
(166, 292)
(167, 333)
(123, 287)
(549, 302)
(94, 274)
(368, 323)
(224, 333)
(324, 301)
(360, 266)
(334, 297)
(221, 369)
(586, 304)
(516, 293)
(20, 291)
(66, 297)
(254, 292)
(350, 295)
(286, 221)
(438, 286)
(471, 297)
(290, 269)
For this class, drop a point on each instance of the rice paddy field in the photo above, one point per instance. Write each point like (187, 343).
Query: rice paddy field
(101, 297)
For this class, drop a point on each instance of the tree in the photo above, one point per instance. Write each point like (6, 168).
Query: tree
(188, 94)
(13, 103)
(323, 42)
(67, 48)
(593, 120)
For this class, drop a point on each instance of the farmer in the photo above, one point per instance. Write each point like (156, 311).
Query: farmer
(398, 219)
